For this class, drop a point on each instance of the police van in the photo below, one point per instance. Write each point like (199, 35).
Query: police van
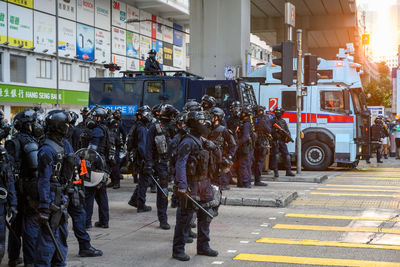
(136, 89)
(335, 118)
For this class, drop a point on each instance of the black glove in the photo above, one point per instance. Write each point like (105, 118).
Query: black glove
(12, 213)
(148, 171)
(44, 215)
(181, 192)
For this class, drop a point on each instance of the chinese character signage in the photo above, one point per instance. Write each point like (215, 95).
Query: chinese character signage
(3, 22)
(132, 44)
(168, 33)
(125, 109)
(20, 30)
(102, 46)
(84, 42)
(133, 13)
(118, 41)
(168, 51)
(85, 11)
(25, 3)
(179, 58)
(66, 37)
(145, 46)
(45, 32)
(67, 9)
(102, 14)
(120, 61)
(118, 14)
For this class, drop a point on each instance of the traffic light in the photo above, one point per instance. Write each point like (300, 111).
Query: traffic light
(286, 62)
(112, 67)
(311, 75)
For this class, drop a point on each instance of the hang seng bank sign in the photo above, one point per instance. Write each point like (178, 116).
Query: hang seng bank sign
(16, 93)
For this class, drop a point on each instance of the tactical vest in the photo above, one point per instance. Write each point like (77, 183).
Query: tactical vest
(105, 143)
(197, 164)
(57, 161)
(161, 140)
(217, 136)
(262, 136)
(5, 174)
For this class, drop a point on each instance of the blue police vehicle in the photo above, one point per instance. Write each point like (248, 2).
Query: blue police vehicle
(137, 88)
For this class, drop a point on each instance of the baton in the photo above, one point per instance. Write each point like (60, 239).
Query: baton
(199, 206)
(13, 233)
(54, 241)
(159, 186)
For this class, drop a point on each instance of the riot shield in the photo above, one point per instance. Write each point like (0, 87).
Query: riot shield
(93, 167)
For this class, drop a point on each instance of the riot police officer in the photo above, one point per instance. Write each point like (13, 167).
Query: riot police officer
(71, 129)
(192, 105)
(158, 158)
(8, 197)
(23, 148)
(262, 127)
(192, 178)
(233, 124)
(100, 142)
(245, 148)
(53, 199)
(224, 139)
(138, 151)
(207, 103)
(281, 136)
(152, 66)
(81, 131)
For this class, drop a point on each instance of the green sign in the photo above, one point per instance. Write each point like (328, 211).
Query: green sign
(16, 93)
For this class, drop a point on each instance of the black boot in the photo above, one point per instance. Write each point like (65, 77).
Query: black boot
(276, 173)
(91, 252)
(181, 256)
(144, 209)
(290, 173)
(208, 252)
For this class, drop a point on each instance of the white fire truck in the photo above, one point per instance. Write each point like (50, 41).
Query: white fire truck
(335, 118)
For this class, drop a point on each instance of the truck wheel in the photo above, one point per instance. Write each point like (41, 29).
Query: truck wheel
(317, 156)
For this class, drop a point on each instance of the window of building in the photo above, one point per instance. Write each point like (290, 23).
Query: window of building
(108, 88)
(17, 69)
(289, 101)
(99, 72)
(154, 87)
(66, 70)
(84, 74)
(332, 101)
(43, 68)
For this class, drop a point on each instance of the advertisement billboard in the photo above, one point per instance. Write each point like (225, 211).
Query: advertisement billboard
(67, 9)
(84, 42)
(20, 31)
(85, 11)
(118, 16)
(66, 37)
(133, 13)
(102, 14)
(132, 64)
(168, 33)
(158, 46)
(48, 6)
(159, 25)
(145, 46)
(44, 32)
(3, 22)
(120, 61)
(132, 44)
(118, 41)
(179, 58)
(178, 35)
(168, 52)
(102, 46)
(24, 3)
(145, 26)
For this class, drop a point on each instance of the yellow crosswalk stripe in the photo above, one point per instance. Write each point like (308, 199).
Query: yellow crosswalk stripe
(358, 189)
(354, 195)
(308, 242)
(339, 217)
(336, 228)
(370, 178)
(313, 261)
(362, 186)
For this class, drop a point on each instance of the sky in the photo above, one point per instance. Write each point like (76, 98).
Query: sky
(383, 35)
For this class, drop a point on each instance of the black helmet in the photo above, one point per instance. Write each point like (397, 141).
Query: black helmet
(208, 102)
(152, 52)
(145, 113)
(259, 108)
(246, 111)
(74, 117)
(5, 129)
(156, 110)
(180, 118)
(84, 110)
(195, 120)
(168, 111)
(117, 114)
(192, 105)
(235, 108)
(99, 113)
(279, 112)
(57, 122)
(217, 112)
(23, 119)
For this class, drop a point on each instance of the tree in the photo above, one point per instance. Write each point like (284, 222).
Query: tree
(380, 93)
(383, 69)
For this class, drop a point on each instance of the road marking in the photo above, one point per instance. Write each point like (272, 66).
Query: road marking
(336, 228)
(339, 217)
(369, 186)
(313, 261)
(217, 262)
(244, 242)
(354, 195)
(255, 233)
(358, 189)
(265, 225)
(272, 218)
(307, 242)
(370, 178)
(231, 251)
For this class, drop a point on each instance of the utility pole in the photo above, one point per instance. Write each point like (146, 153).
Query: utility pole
(57, 60)
(298, 100)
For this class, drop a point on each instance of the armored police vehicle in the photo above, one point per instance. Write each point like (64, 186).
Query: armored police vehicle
(335, 118)
(136, 89)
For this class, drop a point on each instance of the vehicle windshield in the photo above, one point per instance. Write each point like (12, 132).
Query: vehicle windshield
(359, 99)
(247, 94)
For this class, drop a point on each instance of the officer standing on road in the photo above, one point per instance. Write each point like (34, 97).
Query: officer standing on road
(100, 142)
(224, 140)
(53, 200)
(152, 66)
(8, 196)
(245, 149)
(279, 143)
(378, 132)
(144, 118)
(23, 149)
(192, 178)
(263, 130)
(71, 129)
(207, 103)
(158, 158)
(79, 130)
(233, 124)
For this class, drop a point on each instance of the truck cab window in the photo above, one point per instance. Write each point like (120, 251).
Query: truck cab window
(289, 101)
(108, 88)
(224, 93)
(154, 87)
(332, 101)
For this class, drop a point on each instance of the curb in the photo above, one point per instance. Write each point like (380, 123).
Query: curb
(259, 202)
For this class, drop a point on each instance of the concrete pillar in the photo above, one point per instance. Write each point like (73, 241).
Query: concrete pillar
(219, 36)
